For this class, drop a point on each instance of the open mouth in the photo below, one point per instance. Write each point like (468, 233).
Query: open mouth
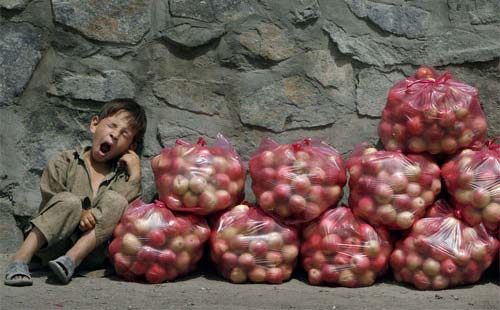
(105, 147)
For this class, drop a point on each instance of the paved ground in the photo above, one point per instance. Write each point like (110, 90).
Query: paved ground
(206, 290)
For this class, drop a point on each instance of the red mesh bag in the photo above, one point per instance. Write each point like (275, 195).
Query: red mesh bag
(443, 252)
(296, 182)
(152, 244)
(473, 181)
(341, 249)
(249, 246)
(432, 113)
(198, 178)
(389, 188)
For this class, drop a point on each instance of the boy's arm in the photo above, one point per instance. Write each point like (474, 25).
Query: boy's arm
(129, 185)
(53, 180)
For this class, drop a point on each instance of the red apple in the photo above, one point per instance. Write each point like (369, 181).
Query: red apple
(156, 274)
(274, 275)
(156, 238)
(257, 274)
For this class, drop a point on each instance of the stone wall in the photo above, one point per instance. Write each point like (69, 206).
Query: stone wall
(249, 69)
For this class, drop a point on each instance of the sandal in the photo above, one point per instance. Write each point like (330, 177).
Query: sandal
(16, 269)
(63, 267)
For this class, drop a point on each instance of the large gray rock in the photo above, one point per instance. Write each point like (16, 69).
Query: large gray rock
(474, 12)
(454, 46)
(372, 89)
(11, 234)
(190, 36)
(101, 86)
(21, 47)
(321, 66)
(402, 20)
(14, 4)
(287, 104)
(190, 95)
(211, 10)
(110, 21)
(269, 42)
(308, 11)
(168, 134)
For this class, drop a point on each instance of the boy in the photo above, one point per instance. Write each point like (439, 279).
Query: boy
(84, 194)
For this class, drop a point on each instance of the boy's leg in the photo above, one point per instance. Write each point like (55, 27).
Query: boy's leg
(33, 242)
(107, 212)
(56, 222)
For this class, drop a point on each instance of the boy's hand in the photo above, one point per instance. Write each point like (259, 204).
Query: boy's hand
(87, 220)
(133, 164)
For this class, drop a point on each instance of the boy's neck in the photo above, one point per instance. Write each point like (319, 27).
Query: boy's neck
(103, 168)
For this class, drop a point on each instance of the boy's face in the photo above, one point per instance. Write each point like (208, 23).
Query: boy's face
(113, 136)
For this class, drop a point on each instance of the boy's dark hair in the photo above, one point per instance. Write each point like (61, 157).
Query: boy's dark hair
(138, 116)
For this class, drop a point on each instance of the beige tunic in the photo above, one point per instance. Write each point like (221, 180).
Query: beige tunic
(66, 190)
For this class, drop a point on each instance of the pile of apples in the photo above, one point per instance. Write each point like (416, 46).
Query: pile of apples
(343, 250)
(152, 244)
(443, 252)
(391, 189)
(199, 179)
(246, 245)
(297, 182)
(431, 113)
(473, 181)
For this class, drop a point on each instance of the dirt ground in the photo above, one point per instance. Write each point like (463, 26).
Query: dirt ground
(206, 290)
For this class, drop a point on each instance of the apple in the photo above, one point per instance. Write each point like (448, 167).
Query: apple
(235, 169)
(223, 199)
(130, 244)
(180, 185)
(222, 181)
(301, 184)
(282, 192)
(266, 158)
(297, 204)
(257, 275)
(238, 275)
(207, 200)
(421, 281)
(167, 257)
(139, 268)
(405, 219)
(219, 163)
(360, 263)
(330, 243)
(142, 227)
(156, 238)
(347, 278)
(274, 275)
(156, 274)
(289, 253)
(314, 276)
(431, 267)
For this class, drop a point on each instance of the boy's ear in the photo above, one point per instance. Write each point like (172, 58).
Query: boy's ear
(93, 124)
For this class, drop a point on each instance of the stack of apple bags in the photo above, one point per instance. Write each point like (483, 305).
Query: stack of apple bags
(428, 119)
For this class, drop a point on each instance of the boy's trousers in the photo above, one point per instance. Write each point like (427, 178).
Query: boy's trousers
(58, 221)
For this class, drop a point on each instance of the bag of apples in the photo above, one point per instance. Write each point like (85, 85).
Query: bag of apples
(341, 249)
(389, 188)
(443, 252)
(248, 245)
(473, 181)
(152, 243)
(198, 178)
(297, 182)
(432, 113)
